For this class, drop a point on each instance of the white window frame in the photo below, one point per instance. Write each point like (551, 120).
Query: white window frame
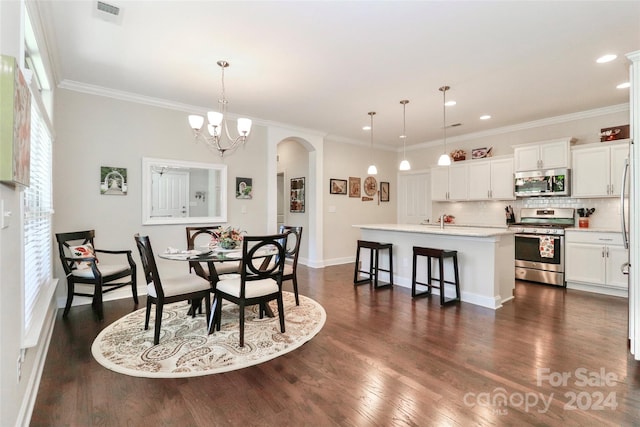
(35, 302)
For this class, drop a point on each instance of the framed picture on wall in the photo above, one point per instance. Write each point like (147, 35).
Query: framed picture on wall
(15, 124)
(297, 195)
(384, 191)
(244, 188)
(113, 181)
(337, 186)
(354, 186)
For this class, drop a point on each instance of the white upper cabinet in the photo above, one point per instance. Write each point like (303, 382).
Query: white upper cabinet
(543, 155)
(449, 183)
(440, 183)
(502, 179)
(491, 179)
(480, 180)
(597, 169)
(458, 182)
(473, 180)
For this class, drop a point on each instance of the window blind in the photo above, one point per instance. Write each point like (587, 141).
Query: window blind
(38, 210)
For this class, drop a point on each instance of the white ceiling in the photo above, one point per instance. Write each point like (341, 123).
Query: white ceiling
(323, 65)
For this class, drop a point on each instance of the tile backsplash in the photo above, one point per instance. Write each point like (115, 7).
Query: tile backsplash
(606, 215)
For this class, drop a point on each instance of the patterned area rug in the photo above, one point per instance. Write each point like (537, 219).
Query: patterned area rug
(185, 349)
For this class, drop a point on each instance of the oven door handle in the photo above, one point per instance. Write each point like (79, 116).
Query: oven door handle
(537, 236)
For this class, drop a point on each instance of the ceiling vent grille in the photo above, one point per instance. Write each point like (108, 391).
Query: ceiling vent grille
(108, 8)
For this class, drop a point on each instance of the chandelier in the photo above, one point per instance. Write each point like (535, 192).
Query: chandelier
(217, 127)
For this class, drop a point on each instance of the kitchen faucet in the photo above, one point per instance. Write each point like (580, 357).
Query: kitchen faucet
(442, 220)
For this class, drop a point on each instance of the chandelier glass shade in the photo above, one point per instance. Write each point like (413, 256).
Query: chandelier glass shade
(217, 128)
(404, 164)
(444, 159)
(372, 170)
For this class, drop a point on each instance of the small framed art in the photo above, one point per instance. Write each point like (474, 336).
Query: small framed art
(297, 195)
(337, 186)
(354, 186)
(244, 188)
(113, 181)
(384, 191)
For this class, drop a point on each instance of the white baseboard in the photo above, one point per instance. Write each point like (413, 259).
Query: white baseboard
(616, 292)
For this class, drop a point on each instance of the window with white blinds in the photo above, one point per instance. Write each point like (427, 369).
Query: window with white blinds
(38, 210)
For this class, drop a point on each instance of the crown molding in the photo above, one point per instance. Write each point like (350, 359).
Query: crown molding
(596, 112)
(171, 105)
(163, 103)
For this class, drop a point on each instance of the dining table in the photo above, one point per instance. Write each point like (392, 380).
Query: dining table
(212, 256)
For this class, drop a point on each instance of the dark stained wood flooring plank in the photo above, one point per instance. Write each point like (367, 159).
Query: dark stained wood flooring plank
(382, 359)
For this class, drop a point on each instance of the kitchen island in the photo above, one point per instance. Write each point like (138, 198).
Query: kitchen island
(485, 257)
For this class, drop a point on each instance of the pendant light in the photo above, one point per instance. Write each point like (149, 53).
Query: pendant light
(373, 170)
(444, 159)
(404, 164)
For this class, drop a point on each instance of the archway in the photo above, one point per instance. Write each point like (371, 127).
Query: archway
(312, 144)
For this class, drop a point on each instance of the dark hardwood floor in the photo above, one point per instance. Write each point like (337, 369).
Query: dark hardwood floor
(381, 359)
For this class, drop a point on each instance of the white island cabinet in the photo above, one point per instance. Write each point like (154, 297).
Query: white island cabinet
(485, 257)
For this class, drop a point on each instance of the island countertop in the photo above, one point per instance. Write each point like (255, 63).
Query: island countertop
(448, 229)
(485, 257)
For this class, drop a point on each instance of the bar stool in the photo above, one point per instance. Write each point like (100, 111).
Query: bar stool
(374, 267)
(440, 255)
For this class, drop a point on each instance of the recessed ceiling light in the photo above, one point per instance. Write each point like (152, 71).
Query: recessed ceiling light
(450, 103)
(624, 85)
(485, 117)
(606, 58)
(366, 127)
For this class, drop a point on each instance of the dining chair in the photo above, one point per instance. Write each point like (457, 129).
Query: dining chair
(291, 256)
(201, 236)
(78, 255)
(258, 282)
(185, 287)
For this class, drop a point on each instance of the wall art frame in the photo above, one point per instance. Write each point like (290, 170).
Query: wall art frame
(15, 123)
(384, 191)
(337, 186)
(113, 181)
(244, 188)
(355, 186)
(297, 195)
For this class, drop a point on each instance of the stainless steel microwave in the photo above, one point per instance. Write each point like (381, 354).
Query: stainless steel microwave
(549, 182)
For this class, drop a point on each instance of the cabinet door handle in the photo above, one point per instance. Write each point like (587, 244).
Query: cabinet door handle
(603, 252)
(607, 252)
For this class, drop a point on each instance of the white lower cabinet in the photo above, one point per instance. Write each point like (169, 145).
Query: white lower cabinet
(594, 260)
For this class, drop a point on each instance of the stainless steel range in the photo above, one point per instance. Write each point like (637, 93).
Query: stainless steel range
(539, 242)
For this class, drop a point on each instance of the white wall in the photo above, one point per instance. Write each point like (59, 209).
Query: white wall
(95, 131)
(341, 211)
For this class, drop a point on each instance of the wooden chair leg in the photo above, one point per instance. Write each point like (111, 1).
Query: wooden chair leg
(281, 312)
(147, 314)
(70, 290)
(97, 298)
(218, 312)
(295, 289)
(134, 287)
(241, 325)
(156, 334)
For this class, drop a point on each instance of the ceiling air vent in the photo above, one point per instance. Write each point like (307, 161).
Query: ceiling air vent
(108, 8)
(107, 12)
